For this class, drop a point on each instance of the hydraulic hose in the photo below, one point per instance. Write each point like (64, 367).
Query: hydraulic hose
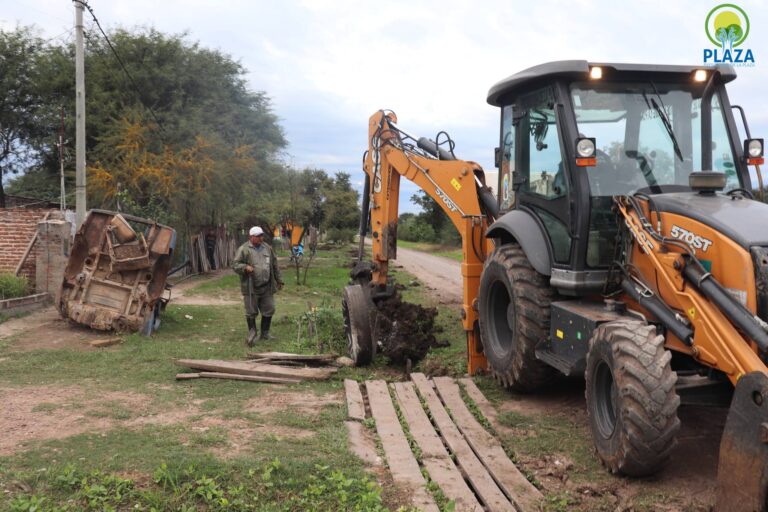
(364, 216)
(433, 149)
(660, 310)
(488, 201)
(741, 317)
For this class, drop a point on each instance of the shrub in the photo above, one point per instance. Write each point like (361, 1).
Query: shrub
(329, 330)
(12, 286)
(340, 235)
(415, 229)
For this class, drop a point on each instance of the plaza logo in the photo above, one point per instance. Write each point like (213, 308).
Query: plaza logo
(727, 27)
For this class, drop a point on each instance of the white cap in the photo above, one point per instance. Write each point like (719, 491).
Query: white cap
(256, 231)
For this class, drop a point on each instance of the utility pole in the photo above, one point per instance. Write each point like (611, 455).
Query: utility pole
(63, 198)
(80, 112)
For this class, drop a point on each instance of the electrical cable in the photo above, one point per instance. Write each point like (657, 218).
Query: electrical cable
(122, 64)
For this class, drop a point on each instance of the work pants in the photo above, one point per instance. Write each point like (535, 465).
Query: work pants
(256, 303)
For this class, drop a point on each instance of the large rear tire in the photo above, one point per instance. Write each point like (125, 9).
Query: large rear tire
(514, 317)
(631, 398)
(356, 307)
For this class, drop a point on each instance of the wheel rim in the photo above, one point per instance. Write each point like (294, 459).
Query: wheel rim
(605, 393)
(351, 338)
(501, 317)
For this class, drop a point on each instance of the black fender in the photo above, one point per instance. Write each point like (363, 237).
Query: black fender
(522, 227)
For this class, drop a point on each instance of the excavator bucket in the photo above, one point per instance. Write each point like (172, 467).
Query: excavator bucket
(743, 468)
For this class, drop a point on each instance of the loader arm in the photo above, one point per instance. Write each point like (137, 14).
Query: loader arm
(456, 185)
(716, 341)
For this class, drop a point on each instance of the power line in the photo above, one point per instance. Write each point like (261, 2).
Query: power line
(122, 64)
(67, 32)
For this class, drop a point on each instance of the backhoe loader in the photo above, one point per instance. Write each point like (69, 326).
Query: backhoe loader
(624, 246)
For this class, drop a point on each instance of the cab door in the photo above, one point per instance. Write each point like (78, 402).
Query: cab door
(539, 176)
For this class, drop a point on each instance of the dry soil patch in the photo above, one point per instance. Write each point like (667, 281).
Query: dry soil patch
(38, 413)
(181, 292)
(46, 330)
(301, 402)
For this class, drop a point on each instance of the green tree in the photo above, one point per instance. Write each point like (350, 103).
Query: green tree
(185, 135)
(342, 213)
(434, 216)
(21, 102)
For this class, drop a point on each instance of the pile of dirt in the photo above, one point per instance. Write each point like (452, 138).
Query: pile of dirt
(405, 330)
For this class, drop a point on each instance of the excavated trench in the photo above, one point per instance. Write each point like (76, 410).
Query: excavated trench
(405, 330)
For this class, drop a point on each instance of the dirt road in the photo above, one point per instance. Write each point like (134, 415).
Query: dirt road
(442, 276)
(691, 475)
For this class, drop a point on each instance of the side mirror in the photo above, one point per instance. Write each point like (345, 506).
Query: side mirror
(753, 151)
(497, 157)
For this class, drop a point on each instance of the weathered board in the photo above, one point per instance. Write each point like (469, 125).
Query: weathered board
(488, 448)
(402, 464)
(355, 405)
(477, 396)
(286, 356)
(434, 456)
(477, 474)
(247, 368)
(362, 444)
(107, 342)
(187, 376)
(249, 378)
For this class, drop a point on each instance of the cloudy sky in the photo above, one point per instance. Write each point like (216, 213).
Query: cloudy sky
(329, 64)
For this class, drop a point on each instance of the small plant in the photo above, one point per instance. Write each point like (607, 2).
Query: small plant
(12, 286)
(208, 489)
(266, 474)
(26, 503)
(334, 490)
(324, 330)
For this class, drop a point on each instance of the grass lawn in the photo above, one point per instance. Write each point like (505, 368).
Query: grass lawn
(111, 429)
(143, 441)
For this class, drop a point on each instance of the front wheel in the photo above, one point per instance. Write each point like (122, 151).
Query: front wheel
(631, 398)
(356, 307)
(514, 310)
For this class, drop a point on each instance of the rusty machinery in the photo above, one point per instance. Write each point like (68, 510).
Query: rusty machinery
(116, 275)
(624, 246)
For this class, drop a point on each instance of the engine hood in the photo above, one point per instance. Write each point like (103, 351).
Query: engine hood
(744, 221)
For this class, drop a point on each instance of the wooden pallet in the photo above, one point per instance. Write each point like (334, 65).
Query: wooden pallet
(457, 453)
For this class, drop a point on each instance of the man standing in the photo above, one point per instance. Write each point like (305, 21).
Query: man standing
(260, 278)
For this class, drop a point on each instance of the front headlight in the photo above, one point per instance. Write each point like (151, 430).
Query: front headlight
(755, 148)
(585, 148)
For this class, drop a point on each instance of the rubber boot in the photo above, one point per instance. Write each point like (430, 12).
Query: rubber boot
(265, 322)
(252, 334)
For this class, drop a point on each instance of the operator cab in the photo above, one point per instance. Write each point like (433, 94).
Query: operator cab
(574, 134)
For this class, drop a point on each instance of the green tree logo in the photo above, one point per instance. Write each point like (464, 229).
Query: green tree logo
(727, 26)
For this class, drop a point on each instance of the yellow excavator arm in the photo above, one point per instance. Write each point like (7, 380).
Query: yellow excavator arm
(459, 188)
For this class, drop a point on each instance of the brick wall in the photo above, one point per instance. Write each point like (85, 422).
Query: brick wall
(17, 226)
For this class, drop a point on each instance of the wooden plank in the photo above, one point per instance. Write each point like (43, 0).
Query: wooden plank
(477, 396)
(247, 368)
(361, 443)
(355, 405)
(402, 464)
(477, 474)
(434, 456)
(286, 356)
(187, 376)
(29, 248)
(107, 342)
(488, 448)
(249, 378)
